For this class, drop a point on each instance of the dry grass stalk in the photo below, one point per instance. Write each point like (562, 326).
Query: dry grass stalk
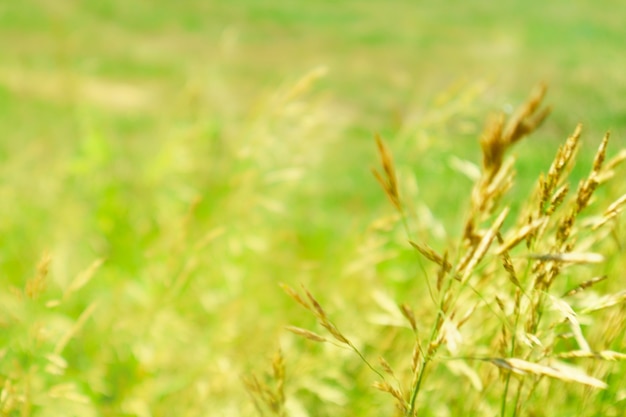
(83, 278)
(492, 144)
(560, 164)
(616, 206)
(466, 316)
(265, 397)
(552, 252)
(441, 273)
(387, 179)
(607, 355)
(600, 156)
(466, 269)
(314, 307)
(570, 317)
(528, 118)
(610, 213)
(500, 303)
(557, 199)
(416, 356)
(262, 396)
(323, 319)
(409, 314)
(583, 194)
(569, 257)
(503, 343)
(395, 393)
(529, 318)
(583, 286)
(433, 256)
(565, 228)
(507, 263)
(37, 285)
(520, 235)
(76, 327)
(307, 334)
(295, 296)
(498, 137)
(303, 84)
(523, 367)
(386, 367)
(616, 160)
(486, 196)
(278, 366)
(255, 390)
(492, 188)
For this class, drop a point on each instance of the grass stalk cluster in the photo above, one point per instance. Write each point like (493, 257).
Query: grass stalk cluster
(513, 306)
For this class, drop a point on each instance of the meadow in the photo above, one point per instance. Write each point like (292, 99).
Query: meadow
(312, 209)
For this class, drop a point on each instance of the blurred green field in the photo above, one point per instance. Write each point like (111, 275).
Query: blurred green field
(167, 165)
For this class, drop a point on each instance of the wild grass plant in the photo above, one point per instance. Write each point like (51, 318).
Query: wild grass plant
(516, 317)
(159, 318)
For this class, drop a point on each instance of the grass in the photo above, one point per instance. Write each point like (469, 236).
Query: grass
(519, 323)
(164, 168)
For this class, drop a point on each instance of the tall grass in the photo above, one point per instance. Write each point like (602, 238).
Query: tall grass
(133, 283)
(519, 312)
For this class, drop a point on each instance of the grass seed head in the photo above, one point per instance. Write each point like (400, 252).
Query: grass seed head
(415, 356)
(616, 206)
(387, 179)
(583, 286)
(307, 334)
(600, 156)
(520, 235)
(336, 333)
(557, 199)
(616, 160)
(295, 296)
(563, 373)
(317, 308)
(610, 213)
(386, 367)
(492, 145)
(571, 257)
(388, 388)
(278, 366)
(563, 159)
(443, 269)
(409, 314)
(483, 246)
(506, 261)
(607, 355)
(37, 285)
(528, 118)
